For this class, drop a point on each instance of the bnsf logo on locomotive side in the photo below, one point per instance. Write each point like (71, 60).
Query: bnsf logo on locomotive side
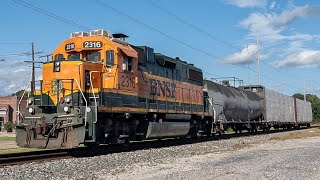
(167, 89)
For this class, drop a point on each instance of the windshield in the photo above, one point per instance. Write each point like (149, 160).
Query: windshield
(74, 56)
(93, 56)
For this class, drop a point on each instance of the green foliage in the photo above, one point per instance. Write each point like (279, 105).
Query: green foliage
(9, 126)
(229, 131)
(315, 104)
(20, 93)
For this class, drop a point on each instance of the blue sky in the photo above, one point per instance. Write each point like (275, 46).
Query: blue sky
(217, 36)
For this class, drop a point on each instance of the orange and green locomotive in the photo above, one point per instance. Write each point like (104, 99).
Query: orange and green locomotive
(98, 89)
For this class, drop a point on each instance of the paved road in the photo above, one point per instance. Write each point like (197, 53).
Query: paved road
(290, 159)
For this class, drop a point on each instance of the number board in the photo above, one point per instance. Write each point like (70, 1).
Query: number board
(69, 47)
(128, 82)
(92, 44)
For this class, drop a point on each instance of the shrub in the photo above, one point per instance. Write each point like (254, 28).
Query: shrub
(9, 126)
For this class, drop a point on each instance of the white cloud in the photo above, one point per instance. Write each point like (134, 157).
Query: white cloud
(272, 5)
(261, 23)
(271, 26)
(248, 3)
(287, 17)
(301, 58)
(15, 76)
(246, 56)
(21, 70)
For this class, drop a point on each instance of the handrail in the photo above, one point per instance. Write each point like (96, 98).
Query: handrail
(85, 115)
(24, 91)
(94, 97)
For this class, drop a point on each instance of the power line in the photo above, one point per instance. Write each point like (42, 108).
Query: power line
(14, 43)
(162, 33)
(196, 28)
(47, 13)
(42, 11)
(15, 54)
(154, 29)
(47, 56)
(202, 31)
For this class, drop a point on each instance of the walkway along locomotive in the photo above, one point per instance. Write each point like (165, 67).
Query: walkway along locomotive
(98, 89)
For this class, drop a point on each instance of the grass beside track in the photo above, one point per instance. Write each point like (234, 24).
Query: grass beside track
(7, 138)
(20, 150)
(312, 132)
(299, 134)
(8, 150)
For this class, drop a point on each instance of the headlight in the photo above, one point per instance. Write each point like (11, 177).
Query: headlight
(31, 110)
(88, 109)
(66, 109)
(30, 101)
(67, 99)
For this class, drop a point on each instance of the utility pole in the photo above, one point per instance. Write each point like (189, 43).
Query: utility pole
(33, 65)
(258, 59)
(304, 89)
(33, 79)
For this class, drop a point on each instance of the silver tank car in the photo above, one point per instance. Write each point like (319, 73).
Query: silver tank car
(231, 105)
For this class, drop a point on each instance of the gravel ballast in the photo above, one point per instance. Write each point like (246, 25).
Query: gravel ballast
(251, 157)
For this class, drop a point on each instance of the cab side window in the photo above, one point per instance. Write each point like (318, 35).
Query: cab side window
(127, 63)
(58, 57)
(110, 58)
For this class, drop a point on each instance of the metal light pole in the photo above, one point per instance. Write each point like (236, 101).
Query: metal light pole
(258, 59)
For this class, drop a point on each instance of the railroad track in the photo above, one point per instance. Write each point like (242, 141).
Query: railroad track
(47, 155)
(35, 156)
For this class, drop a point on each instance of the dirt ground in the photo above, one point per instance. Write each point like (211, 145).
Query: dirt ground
(293, 156)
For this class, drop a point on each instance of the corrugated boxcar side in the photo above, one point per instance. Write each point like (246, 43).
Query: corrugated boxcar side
(279, 107)
(304, 111)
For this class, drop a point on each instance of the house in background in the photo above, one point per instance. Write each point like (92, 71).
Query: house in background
(9, 110)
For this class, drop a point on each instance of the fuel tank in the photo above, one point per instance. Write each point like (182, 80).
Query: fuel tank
(230, 104)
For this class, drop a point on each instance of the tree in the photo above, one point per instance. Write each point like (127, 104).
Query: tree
(9, 126)
(315, 104)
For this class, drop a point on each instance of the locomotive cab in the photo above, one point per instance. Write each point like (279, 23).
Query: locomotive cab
(64, 110)
(98, 89)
